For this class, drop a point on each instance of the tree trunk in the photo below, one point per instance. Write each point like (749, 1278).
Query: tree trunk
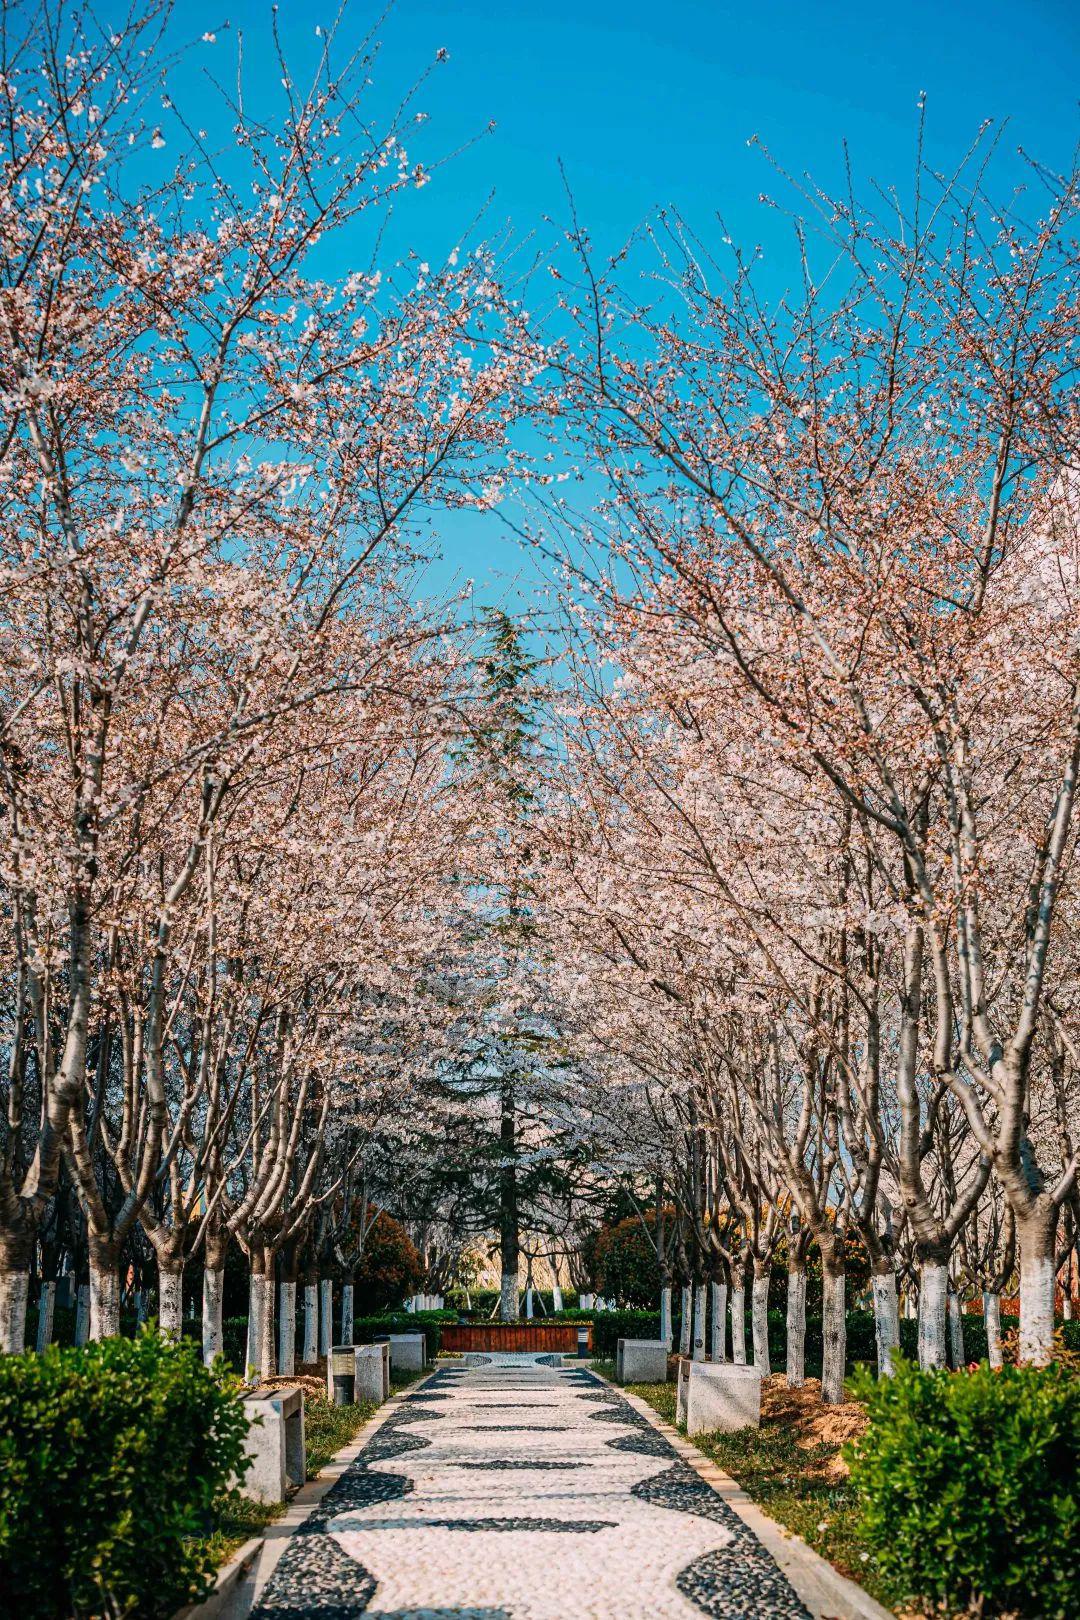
(886, 1320)
(992, 1318)
(933, 1296)
(509, 1244)
(311, 1323)
(795, 1368)
(718, 1345)
(556, 1297)
(834, 1336)
(82, 1314)
(956, 1331)
(759, 1317)
(738, 1322)
(287, 1329)
(46, 1309)
(326, 1315)
(260, 1342)
(171, 1296)
(666, 1332)
(14, 1293)
(508, 1296)
(686, 1297)
(1036, 1239)
(700, 1298)
(213, 1298)
(347, 1313)
(104, 1290)
(528, 1304)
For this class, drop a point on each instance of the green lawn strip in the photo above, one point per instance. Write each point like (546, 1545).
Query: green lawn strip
(789, 1483)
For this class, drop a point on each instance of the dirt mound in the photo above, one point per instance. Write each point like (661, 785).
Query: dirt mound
(811, 1424)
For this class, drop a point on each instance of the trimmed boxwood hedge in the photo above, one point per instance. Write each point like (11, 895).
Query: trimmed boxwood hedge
(969, 1488)
(111, 1458)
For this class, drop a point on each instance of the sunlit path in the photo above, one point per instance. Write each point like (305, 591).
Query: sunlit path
(452, 1508)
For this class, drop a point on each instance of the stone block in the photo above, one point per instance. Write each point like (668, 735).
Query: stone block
(275, 1444)
(641, 1361)
(718, 1395)
(408, 1351)
(372, 1372)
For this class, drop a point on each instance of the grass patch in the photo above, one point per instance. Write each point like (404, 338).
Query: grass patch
(238, 1519)
(796, 1478)
(327, 1428)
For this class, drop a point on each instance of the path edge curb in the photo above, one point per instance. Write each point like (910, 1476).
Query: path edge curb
(247, 1560)
(827, 1594)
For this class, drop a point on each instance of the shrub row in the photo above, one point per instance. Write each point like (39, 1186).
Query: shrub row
(111, 1458)
(969, 1488)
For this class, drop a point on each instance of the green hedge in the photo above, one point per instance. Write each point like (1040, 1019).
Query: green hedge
(969, 1488)
(111, 1458)
(366, 1329)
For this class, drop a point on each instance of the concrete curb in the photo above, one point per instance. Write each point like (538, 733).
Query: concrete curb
(827, 1594)
(241, 1580)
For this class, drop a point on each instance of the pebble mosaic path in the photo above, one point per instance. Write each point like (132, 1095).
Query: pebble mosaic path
(523, 1492)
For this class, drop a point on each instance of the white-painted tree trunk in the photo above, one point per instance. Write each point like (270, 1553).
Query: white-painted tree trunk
(886, 1321)
(956, 1331)
(14, 1293)
(684, 1320)
(311, 1323)
(556, 1297)
(834, 1338)
(528, 1304)
(508, 1296)
(933, 1295)
(82, 1314)
(347, 1313)
(104, 1300)
(170, 1301)
(718, 1343)
(666, 1332)
(287, 1329)
(700, 1303)
(260, 1343)
(46, 1310)
(795, 1362)
(909, 1307)
(738, 1325)
(992, 1317)
(1036, 1308)
(213, 1299)
(326, 1314)
(759, 1321)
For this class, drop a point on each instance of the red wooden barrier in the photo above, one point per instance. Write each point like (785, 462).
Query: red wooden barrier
(558, 1336)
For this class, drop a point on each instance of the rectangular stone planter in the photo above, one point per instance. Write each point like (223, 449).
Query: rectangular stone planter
(641, 1361)
(275, 1444)
(373, 1372)
(718, 1395)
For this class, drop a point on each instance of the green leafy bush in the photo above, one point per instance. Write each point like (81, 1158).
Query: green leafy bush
(969, 1487)
(111, 1458)
(611, 1326)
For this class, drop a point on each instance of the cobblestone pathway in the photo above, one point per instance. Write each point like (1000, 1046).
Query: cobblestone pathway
(523, 1492)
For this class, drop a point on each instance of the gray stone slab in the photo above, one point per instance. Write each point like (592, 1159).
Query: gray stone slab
(274, 1443)
(372, 1372)
(641, 1361)
(718, 1395)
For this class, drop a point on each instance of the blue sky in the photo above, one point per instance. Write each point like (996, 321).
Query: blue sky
(649, 104)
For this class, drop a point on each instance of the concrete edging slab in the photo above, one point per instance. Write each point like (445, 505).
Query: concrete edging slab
(241, 1580)
(827, 1594)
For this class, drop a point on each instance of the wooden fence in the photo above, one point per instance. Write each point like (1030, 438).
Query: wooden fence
(514, 1336)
